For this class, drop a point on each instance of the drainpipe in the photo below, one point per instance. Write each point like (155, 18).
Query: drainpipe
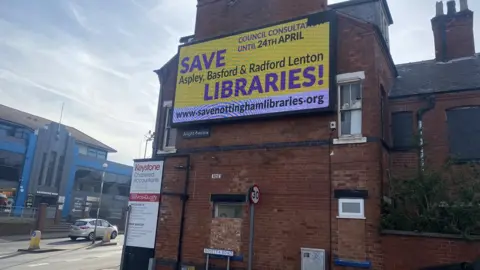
(420, 113)
(184, 198)
(330, 193)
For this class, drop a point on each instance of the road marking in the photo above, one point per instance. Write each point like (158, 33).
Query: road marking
(74, 260)
(38, 264)
(108, 254)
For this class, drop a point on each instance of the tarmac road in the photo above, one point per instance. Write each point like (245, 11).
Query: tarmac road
(78, 255)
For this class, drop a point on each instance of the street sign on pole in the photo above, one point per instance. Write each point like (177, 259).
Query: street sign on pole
(254, 194)
(254, 198)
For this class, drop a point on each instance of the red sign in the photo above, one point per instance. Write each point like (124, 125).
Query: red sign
(143, 197)
(254, 194)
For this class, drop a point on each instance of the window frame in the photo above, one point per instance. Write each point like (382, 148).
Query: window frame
(347, 79)
(453, 152)
(395, 135)
(342, 214)
(217, 204)
(167, 106)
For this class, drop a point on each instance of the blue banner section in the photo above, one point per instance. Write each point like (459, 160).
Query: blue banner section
(91, 163)
(97, 164)
(353, 264)
(70, 183)
(27, 169)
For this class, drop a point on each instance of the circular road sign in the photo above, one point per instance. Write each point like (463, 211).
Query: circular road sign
(254, 194)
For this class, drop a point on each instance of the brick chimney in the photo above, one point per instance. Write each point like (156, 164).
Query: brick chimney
(453, 32)
(217, 17)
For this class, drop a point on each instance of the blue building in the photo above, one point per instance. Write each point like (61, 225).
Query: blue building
(42, 161)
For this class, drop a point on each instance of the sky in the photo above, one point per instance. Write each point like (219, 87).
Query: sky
(98, 56)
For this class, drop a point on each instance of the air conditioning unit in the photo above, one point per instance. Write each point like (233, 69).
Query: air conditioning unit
(313, 259)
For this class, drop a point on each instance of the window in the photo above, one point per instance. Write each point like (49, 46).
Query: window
(384, 115)
(11, 166)
(61, 164)
(42, 169)
(7, 130)
(228, 210)
(80, 223)
(463, 130)
(350, 109)
(402, 130)
(384, 25)
(88, 180)
(51, 167)
(92, 152)
(351, 208)
(101, 154)
(82, 150)
(170, 134)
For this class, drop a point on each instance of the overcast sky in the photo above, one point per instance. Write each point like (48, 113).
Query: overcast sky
(97, 56)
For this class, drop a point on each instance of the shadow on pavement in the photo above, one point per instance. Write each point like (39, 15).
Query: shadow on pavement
(7, 256)
(67, 242)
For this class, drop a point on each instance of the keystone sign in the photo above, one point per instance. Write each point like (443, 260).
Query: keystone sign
(144, 201)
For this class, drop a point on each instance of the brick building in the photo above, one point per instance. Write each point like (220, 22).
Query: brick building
(321, 188)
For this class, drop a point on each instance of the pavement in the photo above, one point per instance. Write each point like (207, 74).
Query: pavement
(74, 255)
(25, 237)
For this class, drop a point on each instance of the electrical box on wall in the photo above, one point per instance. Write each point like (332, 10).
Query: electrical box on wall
(313, 259)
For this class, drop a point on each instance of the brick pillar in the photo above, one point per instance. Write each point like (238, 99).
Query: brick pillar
(41, 216)
(58, 215)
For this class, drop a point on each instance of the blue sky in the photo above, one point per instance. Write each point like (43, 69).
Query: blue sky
(97, 56)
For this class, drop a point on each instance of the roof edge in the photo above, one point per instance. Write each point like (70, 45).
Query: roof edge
(16, 124)
(434, 93)
(108, 150)
(378, 32)
(359, 2)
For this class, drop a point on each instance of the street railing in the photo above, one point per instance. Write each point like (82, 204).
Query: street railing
(18, 212)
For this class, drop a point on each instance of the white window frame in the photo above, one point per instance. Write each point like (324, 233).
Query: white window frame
(360, 215)
(343, 79)
(217, 204)
(166, 149)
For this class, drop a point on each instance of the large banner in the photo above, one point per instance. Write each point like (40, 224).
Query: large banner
(279, 69)
(144, 202)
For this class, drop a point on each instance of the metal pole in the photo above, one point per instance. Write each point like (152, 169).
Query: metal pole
(228, 263)
(98, 209)
(206, 264)
(151, 264)
(146, 145)
(251, 237)
(127, 220)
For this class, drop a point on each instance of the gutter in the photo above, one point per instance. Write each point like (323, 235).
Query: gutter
(420, 113)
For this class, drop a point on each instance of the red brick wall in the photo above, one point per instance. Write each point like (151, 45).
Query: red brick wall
(215, 18)
(434, 129)
(295, 208)
(459, 36)
(415, 252)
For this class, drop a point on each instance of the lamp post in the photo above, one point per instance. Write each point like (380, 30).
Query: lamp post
(148, 137)
(104, 166)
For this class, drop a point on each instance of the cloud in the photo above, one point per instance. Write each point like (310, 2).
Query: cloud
(97, 57)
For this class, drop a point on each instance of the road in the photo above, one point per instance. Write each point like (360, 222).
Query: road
(78, 255)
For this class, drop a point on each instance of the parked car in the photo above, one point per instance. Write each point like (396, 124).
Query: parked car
(84, 228)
